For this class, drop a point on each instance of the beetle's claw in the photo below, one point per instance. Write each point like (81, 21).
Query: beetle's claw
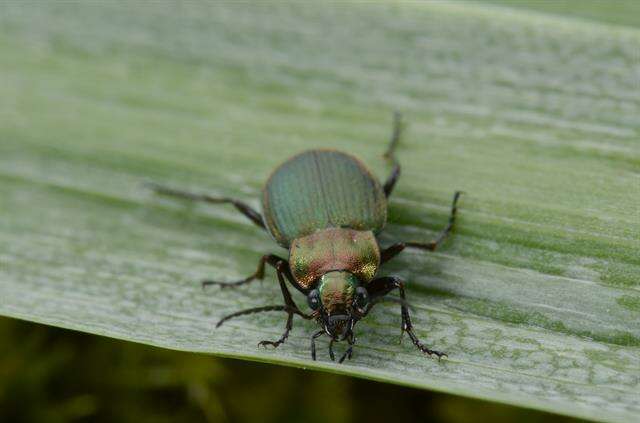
(274, 344)
(233, 284)
(438, 354)
(222, 285)
(402, 331)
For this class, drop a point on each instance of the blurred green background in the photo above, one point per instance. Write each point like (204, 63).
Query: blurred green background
(54, 375)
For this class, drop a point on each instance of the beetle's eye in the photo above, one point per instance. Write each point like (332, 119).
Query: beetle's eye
(314, 299)
(362, 297)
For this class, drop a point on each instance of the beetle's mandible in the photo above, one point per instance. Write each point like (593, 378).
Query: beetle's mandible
(326, 209)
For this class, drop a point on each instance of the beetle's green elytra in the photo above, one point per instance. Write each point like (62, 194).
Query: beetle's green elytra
(326, 208)
(321, 189)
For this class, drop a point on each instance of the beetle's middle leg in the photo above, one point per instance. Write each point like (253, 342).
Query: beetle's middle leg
(395, 249)
(382, 286)
(390, 154)
(249, 212)
(272, 259)
(289, 307)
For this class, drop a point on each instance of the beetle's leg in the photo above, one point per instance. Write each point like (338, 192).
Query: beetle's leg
(382, 286)
(390, 154)
(261, 310)
(392, 251)
(285, 335)
(251, 311)
(407, 326)
(243, 208)
(291, 307)
(313, 343)
(259, 273)
(283, 266)
(431, 246)
(331, 354)
(347, 354)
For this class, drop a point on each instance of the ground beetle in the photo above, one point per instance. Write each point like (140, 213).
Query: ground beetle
(326, 208)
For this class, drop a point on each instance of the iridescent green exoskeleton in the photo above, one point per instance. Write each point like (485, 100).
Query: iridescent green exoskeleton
(326, 209)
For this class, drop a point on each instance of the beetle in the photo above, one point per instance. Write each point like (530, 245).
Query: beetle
(326, 208)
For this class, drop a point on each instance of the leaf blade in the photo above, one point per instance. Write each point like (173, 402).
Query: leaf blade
(535, 296)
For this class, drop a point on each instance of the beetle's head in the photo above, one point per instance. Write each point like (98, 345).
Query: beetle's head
(339, 301)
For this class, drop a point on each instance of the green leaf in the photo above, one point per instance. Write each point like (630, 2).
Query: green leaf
(620, 12)
(536, 297)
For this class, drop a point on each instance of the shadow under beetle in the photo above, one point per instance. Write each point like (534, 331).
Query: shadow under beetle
(326, 208)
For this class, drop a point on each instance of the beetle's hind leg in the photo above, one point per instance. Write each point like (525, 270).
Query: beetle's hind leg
(395, 249)
(381, 287)
(390, 154)
(272, 259)
(243, 208)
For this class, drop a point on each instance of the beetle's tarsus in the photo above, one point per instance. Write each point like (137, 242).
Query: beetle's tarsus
(395, 249)
(224, 285)
(390, 154)
(380, 287)
(248, 211)
(274, 344)
(423, 348)
(257, 310)
(395, 135)
(438, 354)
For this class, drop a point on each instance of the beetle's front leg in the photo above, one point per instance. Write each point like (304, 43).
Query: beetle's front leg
(392, 251)
(285, 335)
(381, 287)
(291, 307)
